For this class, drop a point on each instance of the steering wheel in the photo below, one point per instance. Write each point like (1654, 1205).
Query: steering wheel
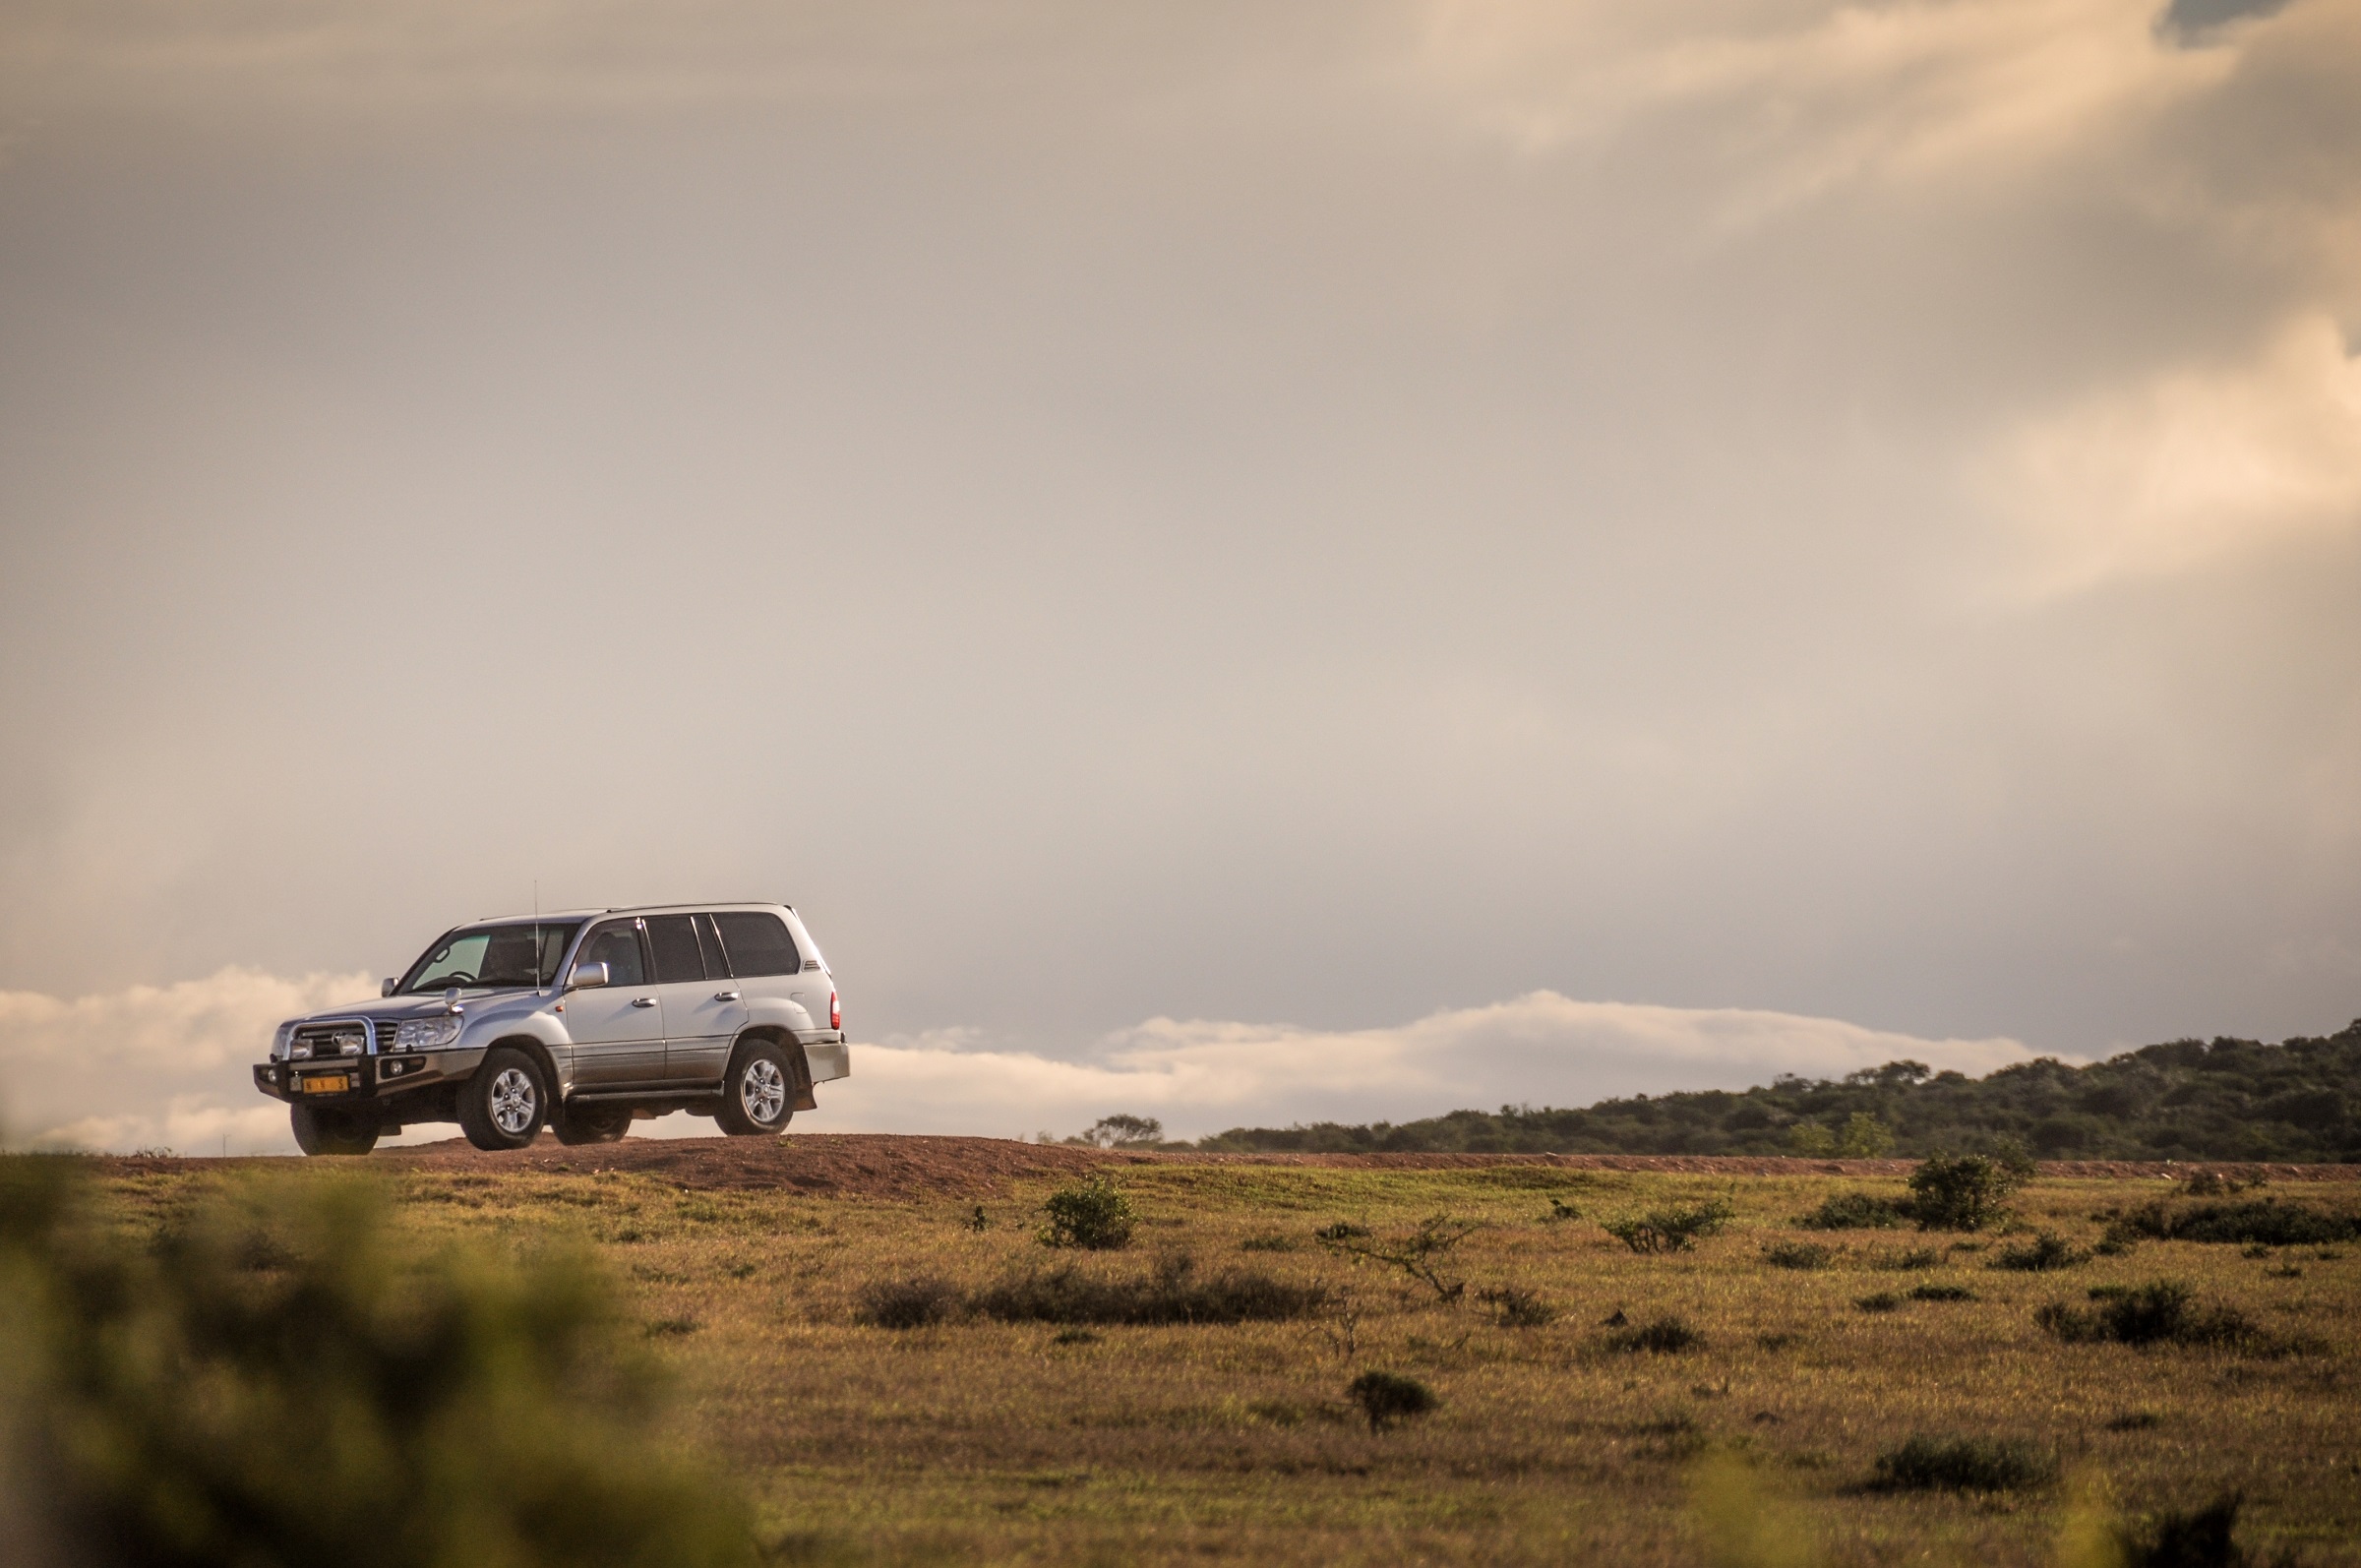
(457, 977)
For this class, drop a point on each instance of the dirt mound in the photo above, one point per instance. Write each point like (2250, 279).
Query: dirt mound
(888, 1165)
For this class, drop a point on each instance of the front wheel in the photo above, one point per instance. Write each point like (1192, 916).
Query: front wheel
(503, 1105)
(323, 1130)
(755, 1095)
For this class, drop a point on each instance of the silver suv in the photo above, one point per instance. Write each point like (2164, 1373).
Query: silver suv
(723, 1010)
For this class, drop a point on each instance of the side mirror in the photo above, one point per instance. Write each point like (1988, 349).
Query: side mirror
(587, 975)
(385, 988)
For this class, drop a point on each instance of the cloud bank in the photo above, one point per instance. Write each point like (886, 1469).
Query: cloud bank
(164, 1066)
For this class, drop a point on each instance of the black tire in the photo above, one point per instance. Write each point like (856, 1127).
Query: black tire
(324, 1129)
(758, 1094)
(577, 1125)
(506, 1103)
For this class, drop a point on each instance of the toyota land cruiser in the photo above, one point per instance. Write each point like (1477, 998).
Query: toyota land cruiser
(723, 1010)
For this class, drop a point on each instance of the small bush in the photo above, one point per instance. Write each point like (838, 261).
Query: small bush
(1964, 1192)
(2266, 1223)
(1942, 1293)
(2163, 1313)
(1797, 1255)
(1388, 1396)
(1673, 1228)
(2137, 1420)
(1421, 1254)
(1513, 1307)
(1857, 1211)
(2043, 1253)
(1878, 1301)
(1341, 1230)
(1560, 1209)
(1964, 1464)
(1095, 1215)
(2202, 1537)
(1171, 1293)
(1663, 1336)
(907, 1303)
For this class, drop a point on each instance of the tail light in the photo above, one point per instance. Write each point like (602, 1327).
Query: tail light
(836, 1012)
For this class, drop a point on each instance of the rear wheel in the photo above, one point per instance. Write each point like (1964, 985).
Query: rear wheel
(590, 1123)
(505, 1104)
(323, 1129)
(758, 1096)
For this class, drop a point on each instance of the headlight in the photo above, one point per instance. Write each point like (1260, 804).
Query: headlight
(426, 1034)
(281, 1040)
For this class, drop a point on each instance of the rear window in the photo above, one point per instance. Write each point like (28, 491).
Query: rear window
(758, 945)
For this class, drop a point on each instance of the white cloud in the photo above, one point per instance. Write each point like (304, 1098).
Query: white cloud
(1199, 1077)
(153, 1066)
(1818, 94)
(165, 1066)
(2195, 463)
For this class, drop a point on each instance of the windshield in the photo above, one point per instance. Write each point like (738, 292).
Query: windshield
(487, 956)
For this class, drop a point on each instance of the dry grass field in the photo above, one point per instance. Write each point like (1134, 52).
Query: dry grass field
(1555, 1441)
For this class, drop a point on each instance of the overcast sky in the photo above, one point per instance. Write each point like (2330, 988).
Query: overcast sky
(1302, 517)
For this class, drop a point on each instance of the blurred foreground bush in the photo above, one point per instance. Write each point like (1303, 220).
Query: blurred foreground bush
(276, 1381)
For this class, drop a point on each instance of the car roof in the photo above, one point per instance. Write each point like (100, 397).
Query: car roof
(722, 905)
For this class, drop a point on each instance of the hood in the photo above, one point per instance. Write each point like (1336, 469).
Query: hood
(426, 1007)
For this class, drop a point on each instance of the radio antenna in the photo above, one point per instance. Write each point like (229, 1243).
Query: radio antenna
(537, 933)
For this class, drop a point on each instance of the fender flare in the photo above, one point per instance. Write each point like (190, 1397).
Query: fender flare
(788, 1046)
(534, 1046)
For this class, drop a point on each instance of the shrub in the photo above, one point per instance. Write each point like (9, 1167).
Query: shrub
(2164, 1312)
(1171, 1293)
(1942, 1293)
(1797, 1255)
(1917, 1257)
(1388, 1396)
(1562, 1210)
(442, 1408)
(1964, 1464)
(1418, 1254)
(1341, 1230)
(1094, 1214)
(907, 1303)
(2043, 1253)
(1663, 1336)
(1878, 1301)
(1673, 1228)
(1963, 1193)
(1513, 1307)
(2264, 1223)
(2202, 1537)
(1857, 1211)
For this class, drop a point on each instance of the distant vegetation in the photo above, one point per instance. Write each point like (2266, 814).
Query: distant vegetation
(2189, 1099)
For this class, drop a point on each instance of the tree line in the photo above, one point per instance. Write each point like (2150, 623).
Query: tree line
(2223, 1099)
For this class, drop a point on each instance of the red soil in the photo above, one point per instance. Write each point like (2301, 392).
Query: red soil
(884, 1164)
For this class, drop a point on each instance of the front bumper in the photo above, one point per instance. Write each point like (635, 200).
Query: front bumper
(340, 1080)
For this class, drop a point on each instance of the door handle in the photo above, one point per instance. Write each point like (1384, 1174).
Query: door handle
(644, 1001)
(725, 995)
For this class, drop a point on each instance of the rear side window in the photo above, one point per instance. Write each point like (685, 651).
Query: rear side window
(675, 947)
(758, 945)
(618, 948)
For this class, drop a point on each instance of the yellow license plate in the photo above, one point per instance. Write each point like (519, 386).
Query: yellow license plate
(335, 1085)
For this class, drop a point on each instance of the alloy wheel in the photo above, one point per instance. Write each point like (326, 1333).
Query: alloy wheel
(763, 1090)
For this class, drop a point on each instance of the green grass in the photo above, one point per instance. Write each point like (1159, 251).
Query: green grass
(959, 1437)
